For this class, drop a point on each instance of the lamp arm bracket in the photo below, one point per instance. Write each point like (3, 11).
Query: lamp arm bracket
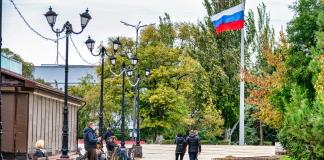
(78, 32)
(127, 24)
(95, 54)
(146, 25)
(58, 31)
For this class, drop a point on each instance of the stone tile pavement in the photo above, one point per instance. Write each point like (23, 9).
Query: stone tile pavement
(166, 152)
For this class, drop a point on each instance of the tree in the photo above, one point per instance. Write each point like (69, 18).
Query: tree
(27, 68)
(265, 85)
(302, 97)
(219, 56)
(89, 92)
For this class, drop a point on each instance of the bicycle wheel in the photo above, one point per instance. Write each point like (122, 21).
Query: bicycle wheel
(114, 155)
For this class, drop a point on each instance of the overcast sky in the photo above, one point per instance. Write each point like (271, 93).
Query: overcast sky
(106, 15)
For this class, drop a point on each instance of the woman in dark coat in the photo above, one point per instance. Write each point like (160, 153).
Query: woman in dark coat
(181, 146)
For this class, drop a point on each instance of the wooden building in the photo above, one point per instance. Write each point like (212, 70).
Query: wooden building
(32, 111)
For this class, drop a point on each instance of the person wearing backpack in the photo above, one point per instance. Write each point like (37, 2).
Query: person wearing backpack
(181, 146)
(194, 145)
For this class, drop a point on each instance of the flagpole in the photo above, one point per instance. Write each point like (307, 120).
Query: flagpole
(241, 134)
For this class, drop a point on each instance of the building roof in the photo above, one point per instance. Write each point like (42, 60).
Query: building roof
(11, 79)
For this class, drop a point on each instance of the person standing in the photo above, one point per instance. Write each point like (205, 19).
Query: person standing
(194, 145)
(181, 146)
(91, 141)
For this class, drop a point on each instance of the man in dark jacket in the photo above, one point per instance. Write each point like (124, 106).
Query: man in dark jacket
(107, 138)
(194, 145)
(90, 141)
(108, 134)
(181, 146)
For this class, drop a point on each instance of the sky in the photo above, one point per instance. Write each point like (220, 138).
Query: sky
(106, 17)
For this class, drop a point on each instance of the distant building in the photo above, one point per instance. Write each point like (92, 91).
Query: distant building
(54, 74)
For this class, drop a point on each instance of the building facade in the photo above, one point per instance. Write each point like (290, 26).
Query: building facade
(32, 111)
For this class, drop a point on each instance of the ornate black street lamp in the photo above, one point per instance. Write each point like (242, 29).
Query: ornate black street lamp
(138, 149)
(90, 44)
(129, 72)
(67, 27)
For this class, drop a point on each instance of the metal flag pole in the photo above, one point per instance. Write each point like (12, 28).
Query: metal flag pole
(241, 139)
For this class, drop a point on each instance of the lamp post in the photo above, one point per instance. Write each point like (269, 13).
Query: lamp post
(67, 27)
(138, 150)
(1, 157)
(138, 138)
(90, 44)
(129, 73)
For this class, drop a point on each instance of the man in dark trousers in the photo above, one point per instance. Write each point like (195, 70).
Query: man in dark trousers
(90, 141)
(194, 145)
(181, 143)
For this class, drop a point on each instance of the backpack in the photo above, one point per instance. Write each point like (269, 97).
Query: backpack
(180, 142)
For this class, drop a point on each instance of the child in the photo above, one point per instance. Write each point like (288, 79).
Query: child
(40, 152)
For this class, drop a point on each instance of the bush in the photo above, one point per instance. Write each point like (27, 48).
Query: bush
(168, 142)
(223, 142)
(205, 142)
(303, 128)
(267, 143)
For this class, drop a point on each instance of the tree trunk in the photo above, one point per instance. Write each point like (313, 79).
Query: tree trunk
(154, 136)
(261, 134)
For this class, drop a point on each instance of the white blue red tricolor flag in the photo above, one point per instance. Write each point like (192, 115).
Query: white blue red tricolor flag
(230, 19)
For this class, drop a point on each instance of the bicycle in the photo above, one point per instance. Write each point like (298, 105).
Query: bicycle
(121, 154)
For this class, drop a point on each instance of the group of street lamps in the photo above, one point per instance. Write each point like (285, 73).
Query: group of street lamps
(125, 70)
(67, 27)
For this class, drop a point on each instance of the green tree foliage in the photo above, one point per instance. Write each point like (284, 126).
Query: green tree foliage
(195, 75)
(27, 68)
(89, 92)
(219, 56)
(261, 74)
(302, 131)
(259, 36)
(178, 94)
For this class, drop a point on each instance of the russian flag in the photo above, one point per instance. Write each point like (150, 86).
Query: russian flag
(230, 19)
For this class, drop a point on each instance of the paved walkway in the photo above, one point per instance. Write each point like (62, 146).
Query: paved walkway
(166, 152)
